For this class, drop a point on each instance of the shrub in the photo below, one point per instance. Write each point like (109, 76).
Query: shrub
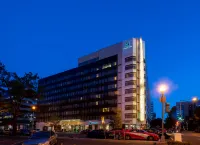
(178, 143)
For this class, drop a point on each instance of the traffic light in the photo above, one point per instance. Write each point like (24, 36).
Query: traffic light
(180, 119)
(167, 107)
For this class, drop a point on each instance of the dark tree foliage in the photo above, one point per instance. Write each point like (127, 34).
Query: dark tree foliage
(170, 121)
(156, 123)
(13, 90)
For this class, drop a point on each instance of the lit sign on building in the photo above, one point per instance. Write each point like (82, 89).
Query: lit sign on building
(127, 44)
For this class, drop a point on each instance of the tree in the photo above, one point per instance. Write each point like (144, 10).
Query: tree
(156, 122)
(55, 121)
(170, 121)
(14, 89)
(117, 121)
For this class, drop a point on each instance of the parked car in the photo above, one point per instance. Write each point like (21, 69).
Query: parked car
(43, 137)
(85, 131)
(25, 132)
(7, 132)
(97, 134)
(139, 134)
(115, 133)
(152, 130)
(158, 132)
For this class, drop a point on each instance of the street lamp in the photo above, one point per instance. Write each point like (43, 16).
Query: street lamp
(162, 88)
(194, 99)
(33, 108)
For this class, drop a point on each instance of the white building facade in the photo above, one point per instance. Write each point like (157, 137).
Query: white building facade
(132, 85)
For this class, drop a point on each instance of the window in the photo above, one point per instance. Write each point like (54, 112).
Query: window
(128, 91)
(131, 74)
(130, 107)
(130, 99)
(106, 66)
(130, 66)
(98, 96)
(130, 115)
(132, 82)
(131, 58)
(106, 109)
(97, 103)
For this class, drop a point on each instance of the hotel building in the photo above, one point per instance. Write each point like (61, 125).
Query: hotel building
(110, 78)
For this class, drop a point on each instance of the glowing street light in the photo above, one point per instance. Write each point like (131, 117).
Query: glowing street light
(33, 107)
(162, 88)
(194, 99)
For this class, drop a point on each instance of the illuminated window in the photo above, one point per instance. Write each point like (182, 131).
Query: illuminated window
(98, 96)
(130, 107)
(131, 82)
(128, 91)
(106, 66)
(130, 115)
(130, 99)
(81, 98)
(97, 75)
(97, 103)
(106, 110)
(115, 78)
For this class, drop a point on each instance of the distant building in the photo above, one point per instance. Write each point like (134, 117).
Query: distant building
(153, 114)
(110, 78)
(186, 109)
(25, 119)
(185, 112)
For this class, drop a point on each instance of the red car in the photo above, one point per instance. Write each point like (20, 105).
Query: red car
(139, 134)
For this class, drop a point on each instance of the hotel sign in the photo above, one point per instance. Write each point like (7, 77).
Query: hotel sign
(127, 44)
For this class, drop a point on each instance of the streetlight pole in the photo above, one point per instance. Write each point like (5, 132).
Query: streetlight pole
(163, 100)
(33, 109)
(162, 89)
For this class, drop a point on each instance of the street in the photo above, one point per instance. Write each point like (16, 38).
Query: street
(7, 140)
(102, 141)
(193, 138)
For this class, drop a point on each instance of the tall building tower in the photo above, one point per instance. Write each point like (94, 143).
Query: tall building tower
(110, 78)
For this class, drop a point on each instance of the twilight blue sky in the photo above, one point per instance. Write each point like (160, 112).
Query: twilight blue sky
(47, 37)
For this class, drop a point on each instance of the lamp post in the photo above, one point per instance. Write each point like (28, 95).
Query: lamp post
(162, 89)
(33, 109)
(194, 100)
